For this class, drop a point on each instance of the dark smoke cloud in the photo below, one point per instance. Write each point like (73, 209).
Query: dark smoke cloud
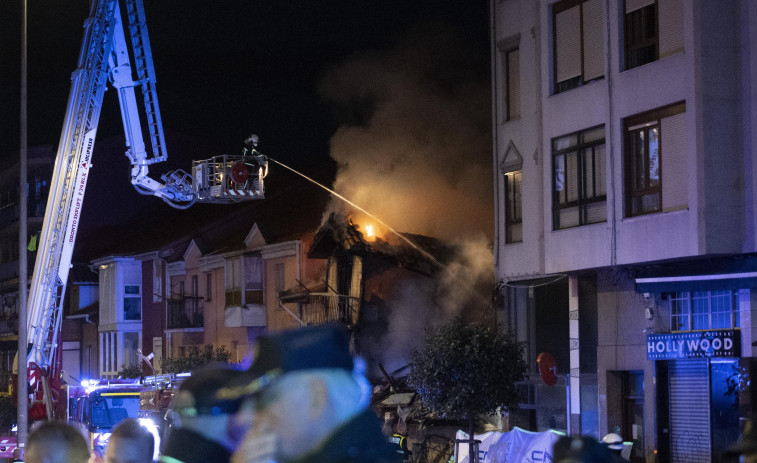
(415, 146)
(415, 151)
(462, 288)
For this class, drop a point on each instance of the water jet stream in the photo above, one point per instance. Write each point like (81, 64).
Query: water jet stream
(469, 289)
(400, 235)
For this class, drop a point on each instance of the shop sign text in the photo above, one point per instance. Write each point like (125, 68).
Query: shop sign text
(694, 344)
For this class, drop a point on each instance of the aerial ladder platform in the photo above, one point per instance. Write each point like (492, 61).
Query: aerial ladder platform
(105, 57)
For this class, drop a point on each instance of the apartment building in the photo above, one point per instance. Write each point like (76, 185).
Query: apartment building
(624, 134)
(208, 278)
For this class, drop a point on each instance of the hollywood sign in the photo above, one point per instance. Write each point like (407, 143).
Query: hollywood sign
(694, 344)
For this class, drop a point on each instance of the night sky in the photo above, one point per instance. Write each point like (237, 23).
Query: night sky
(225, 68)
(303, 75)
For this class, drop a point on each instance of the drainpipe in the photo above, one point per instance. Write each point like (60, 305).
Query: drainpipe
(495, 125)
(540, 139)
(609, 142)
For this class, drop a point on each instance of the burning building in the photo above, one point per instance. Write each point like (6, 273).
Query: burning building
(389, 290)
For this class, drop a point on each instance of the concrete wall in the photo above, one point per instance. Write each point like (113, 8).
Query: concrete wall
(621, 345)
(517, 25)
(714, 75)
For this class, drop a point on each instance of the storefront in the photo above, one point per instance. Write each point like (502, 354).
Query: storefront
(697, 383)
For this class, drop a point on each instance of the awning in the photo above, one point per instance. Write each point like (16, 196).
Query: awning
(716, 274)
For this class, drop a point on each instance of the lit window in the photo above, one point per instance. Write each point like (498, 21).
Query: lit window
(513, 215)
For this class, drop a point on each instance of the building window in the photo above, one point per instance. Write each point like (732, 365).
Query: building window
(511, 167)
(253, 280)
(704, 310)
(578, 43)
(244, 280)
(512, 84)
(208, 286)
(648, 135)
(653, 29)
(233, 281)
(513, 216)
(579, 190)
(132, 302)
(280, 284)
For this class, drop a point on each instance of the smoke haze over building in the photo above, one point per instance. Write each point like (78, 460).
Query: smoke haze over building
(414, 150)
(415, 147)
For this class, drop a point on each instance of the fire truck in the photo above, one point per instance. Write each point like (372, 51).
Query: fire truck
(156, 397)
(100, 405)
(115, 33)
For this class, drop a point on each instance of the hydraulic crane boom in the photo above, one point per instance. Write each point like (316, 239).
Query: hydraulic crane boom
(105, 56)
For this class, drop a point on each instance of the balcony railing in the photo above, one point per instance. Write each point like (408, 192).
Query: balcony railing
(322, 308)
(184, 313)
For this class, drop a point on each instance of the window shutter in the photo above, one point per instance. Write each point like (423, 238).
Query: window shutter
(568, 44)
(670, 26)
(513, 85)
(675, 192)
(600, 166)
(593, 40)
(633, 5)
(571, 176)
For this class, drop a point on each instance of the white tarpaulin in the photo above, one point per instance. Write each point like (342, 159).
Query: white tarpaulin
(515, 446)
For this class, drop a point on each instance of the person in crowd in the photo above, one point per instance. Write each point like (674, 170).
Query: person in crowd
(614, 443)
(56, 442)
(306, 403)
(131, 442)
(204, 427)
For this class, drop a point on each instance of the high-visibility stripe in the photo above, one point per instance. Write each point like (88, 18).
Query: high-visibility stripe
(241, 192)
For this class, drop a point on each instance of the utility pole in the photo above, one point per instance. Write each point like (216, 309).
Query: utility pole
(23, 396)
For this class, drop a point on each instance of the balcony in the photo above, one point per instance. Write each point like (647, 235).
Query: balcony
(320, 308)
(184, 313)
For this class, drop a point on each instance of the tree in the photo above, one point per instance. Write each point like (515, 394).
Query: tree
(464, 370)
(130, 371)
(195, 357)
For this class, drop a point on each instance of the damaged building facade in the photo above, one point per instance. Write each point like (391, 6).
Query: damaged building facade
(624, 136)
(367, 286)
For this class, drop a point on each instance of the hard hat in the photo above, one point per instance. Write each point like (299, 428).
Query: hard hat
(613, 441)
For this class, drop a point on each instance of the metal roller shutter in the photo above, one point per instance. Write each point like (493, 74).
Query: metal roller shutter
(689, 411)
(675, 175)
(670, 26)
(568, 44)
